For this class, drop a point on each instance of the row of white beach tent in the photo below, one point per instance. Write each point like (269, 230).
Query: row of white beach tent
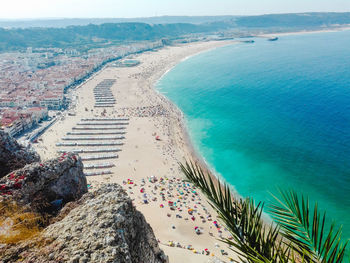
(105, 119)
(105, 97)
(109, 123)
(93, 138)
(103, 94)
(96, 133)
(99, 157)
(98, 165)
(89, 144)
(102, 90)
(86, 128)
(106, 103)
(98, 150)
(104, 172)
(105, 100)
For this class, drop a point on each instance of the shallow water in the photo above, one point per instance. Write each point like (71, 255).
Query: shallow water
(273, 115)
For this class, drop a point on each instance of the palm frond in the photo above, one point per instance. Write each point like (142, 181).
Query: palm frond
(253, 239)
(306, 230)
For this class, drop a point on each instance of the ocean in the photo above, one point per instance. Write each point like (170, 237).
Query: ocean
(273, 115)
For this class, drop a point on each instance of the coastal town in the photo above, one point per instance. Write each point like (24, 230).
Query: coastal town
(35, 84)
(174, 131)
(126, 132)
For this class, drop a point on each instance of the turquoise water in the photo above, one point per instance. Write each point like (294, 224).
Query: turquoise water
(273, 115)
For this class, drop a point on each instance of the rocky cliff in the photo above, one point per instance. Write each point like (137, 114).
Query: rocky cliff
(102, 226)
(106, 227)
(55, 219)
(13, 155)
(46, 186)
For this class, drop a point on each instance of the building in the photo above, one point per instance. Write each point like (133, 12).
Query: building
(15, 121)
(52, 101)
(38, 113)
(11, 122)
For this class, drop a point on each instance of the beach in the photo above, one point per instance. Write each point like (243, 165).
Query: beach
(151, 143)
(312, 31)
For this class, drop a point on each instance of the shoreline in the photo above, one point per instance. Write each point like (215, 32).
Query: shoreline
(326, 30)
(184, 142)
(197, 156)
(143, 157)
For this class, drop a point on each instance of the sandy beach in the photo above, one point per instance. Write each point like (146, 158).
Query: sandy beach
(326, 30)
(147, 164)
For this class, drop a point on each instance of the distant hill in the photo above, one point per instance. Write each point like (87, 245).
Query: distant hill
(26, 23)
(77, 36)
(294, 20)
(94, 35)
(270, 20)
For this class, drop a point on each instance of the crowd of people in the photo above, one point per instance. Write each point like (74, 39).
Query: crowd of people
(180, 199)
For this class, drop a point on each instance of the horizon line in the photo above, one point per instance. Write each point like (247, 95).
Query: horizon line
(144, 17)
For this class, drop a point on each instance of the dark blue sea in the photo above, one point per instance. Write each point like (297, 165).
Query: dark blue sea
(273, 115)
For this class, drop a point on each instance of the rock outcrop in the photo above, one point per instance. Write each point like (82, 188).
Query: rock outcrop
(103, 227)
(12, 155)
(81, 226)
(46, 186)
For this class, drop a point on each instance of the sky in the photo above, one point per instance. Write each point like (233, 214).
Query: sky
(146, 8)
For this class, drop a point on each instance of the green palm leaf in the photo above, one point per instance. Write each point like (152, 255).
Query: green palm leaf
(253, 239)
(300, 235)
(306, 230)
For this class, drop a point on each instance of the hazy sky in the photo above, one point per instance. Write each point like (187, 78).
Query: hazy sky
(145, 8)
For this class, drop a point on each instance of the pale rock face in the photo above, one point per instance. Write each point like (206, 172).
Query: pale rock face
(106, 227)
(103, 227)
(13, 155)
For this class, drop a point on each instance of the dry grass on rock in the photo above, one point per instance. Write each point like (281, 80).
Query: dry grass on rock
(17, 225)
